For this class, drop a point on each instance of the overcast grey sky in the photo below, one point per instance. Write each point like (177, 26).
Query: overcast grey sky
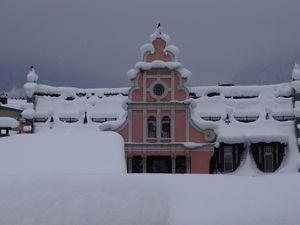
(94, 43)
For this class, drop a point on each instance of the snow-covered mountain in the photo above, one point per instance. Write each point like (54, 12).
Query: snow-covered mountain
(274, 71)
(12, 85)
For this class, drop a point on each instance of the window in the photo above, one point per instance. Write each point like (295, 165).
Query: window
(137, 164)
(152, 127)
(159, 164)
(228, 158)
(180, 164)
(268, 158)
(158, 89)
(166, 127)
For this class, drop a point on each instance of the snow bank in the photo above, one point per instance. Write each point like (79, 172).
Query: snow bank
(222, 200)
(62, 153)
(149, 200)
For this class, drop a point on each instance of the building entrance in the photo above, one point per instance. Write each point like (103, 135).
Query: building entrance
(159, 164)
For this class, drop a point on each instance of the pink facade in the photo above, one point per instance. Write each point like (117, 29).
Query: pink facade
(159, 132)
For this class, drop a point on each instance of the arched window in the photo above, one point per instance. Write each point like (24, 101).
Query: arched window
(166, 127)
(151, 122)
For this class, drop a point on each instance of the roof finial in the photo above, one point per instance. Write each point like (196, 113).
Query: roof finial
(296, 72)
(32, 76)
(158, 28)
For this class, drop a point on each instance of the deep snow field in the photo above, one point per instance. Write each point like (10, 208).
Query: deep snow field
(75, 179)
(149, 200)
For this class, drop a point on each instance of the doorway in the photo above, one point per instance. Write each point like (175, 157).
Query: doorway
(159, 164)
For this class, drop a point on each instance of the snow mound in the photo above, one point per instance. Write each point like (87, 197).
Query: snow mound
(149, 200)
(62, 153)
(8, 122)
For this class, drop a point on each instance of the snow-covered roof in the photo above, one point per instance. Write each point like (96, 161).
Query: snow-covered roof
(73, 91)
(14, 103)
(234, 105)
(62, 103)
(247, 114)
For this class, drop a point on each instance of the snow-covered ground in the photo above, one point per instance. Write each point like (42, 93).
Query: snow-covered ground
(147, 199)
(77, 178)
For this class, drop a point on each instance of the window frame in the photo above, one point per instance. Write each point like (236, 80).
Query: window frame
(154, 123)
(164, 94)
(168, 121)
(228, 150)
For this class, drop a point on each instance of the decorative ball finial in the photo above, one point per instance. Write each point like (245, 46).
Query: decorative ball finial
(32, 76)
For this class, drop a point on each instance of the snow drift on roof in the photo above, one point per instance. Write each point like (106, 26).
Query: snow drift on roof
(72, 91)
(247, 114)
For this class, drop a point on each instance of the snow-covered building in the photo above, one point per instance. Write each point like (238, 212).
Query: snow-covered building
(168, 127)
(10, 115)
